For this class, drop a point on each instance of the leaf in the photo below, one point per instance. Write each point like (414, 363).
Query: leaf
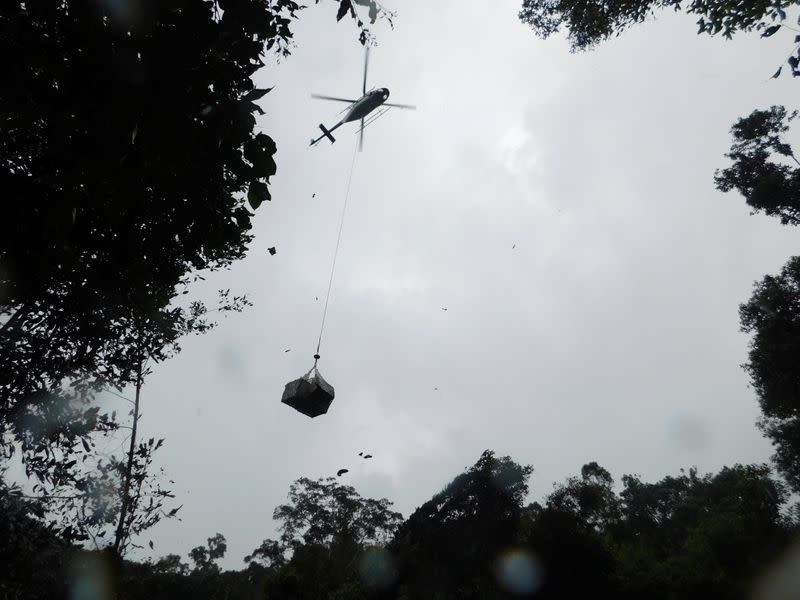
(257, 193)
(259, 151)
(256, 93)
(344, 6)
(85, 444)
(769, 31)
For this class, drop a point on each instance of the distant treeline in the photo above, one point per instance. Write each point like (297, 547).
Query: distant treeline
(686, 536)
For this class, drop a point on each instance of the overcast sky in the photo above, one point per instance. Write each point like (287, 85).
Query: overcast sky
(609, 333)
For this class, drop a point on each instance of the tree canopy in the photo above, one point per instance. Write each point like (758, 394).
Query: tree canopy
(765, 170)
(471, 521)
(590, 22)
(684, 536)
(772, 315)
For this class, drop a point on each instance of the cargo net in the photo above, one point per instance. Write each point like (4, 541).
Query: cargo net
(310, 395)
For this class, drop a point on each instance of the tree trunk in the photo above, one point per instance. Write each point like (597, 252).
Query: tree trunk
(122, 534)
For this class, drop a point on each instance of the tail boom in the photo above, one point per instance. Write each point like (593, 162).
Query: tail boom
(326, 133)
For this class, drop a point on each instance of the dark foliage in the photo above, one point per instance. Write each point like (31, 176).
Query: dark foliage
(471, 522)
(32, 555)
(128, 147)
(772, 315)
(765, 170)
(689, 537)
(590, 22)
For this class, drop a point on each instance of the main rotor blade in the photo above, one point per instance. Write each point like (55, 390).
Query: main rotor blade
(408, 106)
(332, 98)
(361, 136)
(366, 64)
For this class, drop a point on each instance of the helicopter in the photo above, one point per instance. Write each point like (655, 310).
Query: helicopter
(360, 109)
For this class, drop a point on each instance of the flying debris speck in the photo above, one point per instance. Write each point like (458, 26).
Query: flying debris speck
(313, 195)
(341, 472)
(368, 456)
(513, 246)
(287, 350)
(444, 309)
(272, 251)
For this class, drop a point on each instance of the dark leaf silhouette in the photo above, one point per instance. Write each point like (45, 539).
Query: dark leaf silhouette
(255, 94)
(344, 7)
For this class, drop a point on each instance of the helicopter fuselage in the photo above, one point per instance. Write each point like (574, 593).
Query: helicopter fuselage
(366, 104)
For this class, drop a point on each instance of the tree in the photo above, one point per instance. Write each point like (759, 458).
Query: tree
(768, 185)
(108, 500)
(590, 22)
(327, 529)
(170, 564)
(270, 554)
(31, 553)
(772, 315)
(449, 545)
(205, 557)
(590, 497)
(569, 536)
(699, 537)
(324, 512)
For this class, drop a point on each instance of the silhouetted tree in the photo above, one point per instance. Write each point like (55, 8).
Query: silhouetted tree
(772, 315)
(768, 185)
(326, 529)
(700, 537)
(590, 22)
(450, 545)
(568, 535)
(205, 557)
(31, 554)
(688, 537)
(170, 564)
(321, 512)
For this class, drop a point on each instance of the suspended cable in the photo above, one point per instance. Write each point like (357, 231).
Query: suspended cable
(336, 253)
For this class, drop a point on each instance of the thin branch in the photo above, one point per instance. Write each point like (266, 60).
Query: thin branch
(118, 395)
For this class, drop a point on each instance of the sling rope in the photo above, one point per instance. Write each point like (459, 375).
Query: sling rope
(336, 253)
